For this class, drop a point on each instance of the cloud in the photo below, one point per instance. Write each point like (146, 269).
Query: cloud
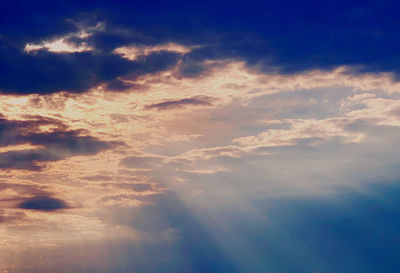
(52, 144)
(98, 178)
(136, 187)
(312, 131)
(43, 203)
(126, 200)
(256, 141)
(266, 36)
(173, 104)
(59, 46)
(135, 52)
(24, 189)
(7, 218)
(49, 72)
(141, 162)
(121, 85)
(73, 42)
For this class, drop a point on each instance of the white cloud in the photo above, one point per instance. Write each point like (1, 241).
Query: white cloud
(64, 45)
(134, 52)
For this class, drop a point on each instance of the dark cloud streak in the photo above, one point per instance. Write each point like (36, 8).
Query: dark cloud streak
(173, 104)
(55, 145)
(43, 203)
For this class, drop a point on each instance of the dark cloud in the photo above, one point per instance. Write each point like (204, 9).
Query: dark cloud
(52, 145)
(46, 72)
(43, 203)
(172, 104)
(284, 36)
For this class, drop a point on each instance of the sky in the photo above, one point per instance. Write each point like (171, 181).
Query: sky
(212, 136)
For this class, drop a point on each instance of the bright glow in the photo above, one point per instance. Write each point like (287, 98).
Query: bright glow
(132, 52)
(62, 45)
(59, 46)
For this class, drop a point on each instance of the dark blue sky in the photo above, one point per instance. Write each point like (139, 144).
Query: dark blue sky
(283, 36)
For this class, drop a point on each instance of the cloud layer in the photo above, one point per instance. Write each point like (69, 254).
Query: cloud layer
(199, 137)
